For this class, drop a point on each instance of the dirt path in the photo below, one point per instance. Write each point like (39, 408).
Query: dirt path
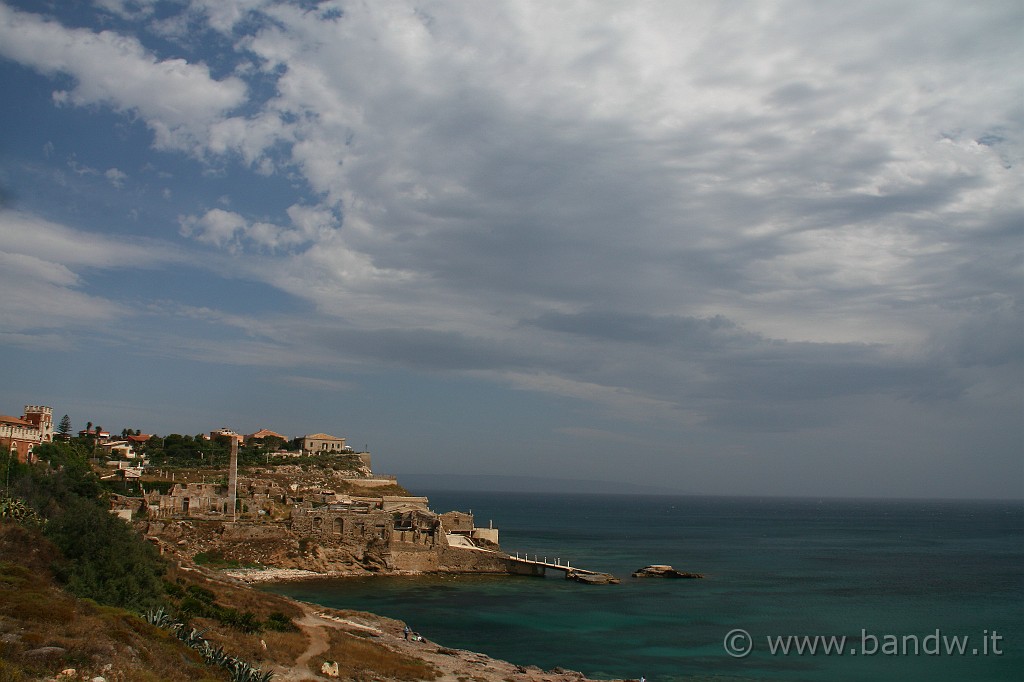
(452, 665)
(314, 627)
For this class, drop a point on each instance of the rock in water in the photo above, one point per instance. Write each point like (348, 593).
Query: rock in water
(663, 571)
(592, 578)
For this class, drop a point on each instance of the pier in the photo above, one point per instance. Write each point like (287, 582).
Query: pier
(524, 565)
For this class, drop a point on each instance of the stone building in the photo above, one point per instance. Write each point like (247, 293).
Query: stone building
(190, 500)
(20, 435)
(461, 523)
(42, 417)
(320, 443)
(227, 434)
(262, 435)
(214, 499)
(324, 531)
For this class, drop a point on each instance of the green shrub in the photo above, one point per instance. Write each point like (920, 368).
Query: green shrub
(103, 559)
(202, 594)
(279, 622)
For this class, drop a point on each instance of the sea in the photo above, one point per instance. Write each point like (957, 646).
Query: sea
(794, 589)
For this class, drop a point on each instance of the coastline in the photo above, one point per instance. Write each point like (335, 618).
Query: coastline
(256, 576)
(451, 665)
(270, 574)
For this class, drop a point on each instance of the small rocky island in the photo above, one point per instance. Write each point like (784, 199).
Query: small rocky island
(663, 571)
(591, 578)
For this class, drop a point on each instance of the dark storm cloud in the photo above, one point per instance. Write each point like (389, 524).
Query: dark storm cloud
(711, 219)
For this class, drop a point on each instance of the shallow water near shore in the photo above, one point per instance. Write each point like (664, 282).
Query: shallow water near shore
(869, 570)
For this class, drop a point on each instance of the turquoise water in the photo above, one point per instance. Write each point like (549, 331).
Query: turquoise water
(861, 569)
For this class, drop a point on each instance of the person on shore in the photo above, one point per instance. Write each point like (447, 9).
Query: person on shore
(406, 632)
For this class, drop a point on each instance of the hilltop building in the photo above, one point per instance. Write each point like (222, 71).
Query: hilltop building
(20, 435)
(138, 440)
(226, 433)
(97, 434)
(262, 435)
(118, 449)
(325, 444)
(348, 532)
(42, 417)
(322, 443)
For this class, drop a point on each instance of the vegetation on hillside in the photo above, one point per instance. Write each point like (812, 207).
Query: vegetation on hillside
(56, 530)
(99, 556)
(76, 582)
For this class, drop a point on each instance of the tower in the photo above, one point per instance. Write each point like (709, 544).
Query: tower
(233, 478)
(42, 417)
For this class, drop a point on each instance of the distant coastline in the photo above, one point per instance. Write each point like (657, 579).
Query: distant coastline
(528, 484)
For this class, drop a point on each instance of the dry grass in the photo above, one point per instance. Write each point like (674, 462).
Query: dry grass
(93, 639)
(282, 648)
(363, 660)
(122, 647)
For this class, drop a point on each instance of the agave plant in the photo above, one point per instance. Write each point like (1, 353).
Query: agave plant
(193, 638)
(243, 672)
(16, 509)
(159, 618)
(213, 655)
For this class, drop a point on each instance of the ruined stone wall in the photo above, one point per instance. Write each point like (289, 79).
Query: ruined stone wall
(414, 558)
(338, 525)
(457, 522)
(470, 561)
(489, 535)
(255, 532)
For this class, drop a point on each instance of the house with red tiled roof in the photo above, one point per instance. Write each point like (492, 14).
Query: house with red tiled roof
(263, 434)
(18, 437)
(99, 435)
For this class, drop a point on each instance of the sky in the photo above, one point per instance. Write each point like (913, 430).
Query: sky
(750, 248)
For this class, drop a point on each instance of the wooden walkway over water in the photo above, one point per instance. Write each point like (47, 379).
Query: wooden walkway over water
(537, 566)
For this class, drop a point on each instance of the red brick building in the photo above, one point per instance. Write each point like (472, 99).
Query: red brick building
(20, 435)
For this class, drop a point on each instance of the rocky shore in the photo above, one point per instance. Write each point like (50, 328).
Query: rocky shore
(318, 623)
(254, 576)
(451, 665)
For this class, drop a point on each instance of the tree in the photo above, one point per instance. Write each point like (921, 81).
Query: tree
(64, 428)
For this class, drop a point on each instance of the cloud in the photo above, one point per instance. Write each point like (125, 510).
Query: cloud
(715, 219)
(177, 99)
(231, 230)
(40, 274)
(116, 177)
(216, 226)
(30, 235)
(702, 186)
(43, 295)
(716, 215)
(306, 383)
